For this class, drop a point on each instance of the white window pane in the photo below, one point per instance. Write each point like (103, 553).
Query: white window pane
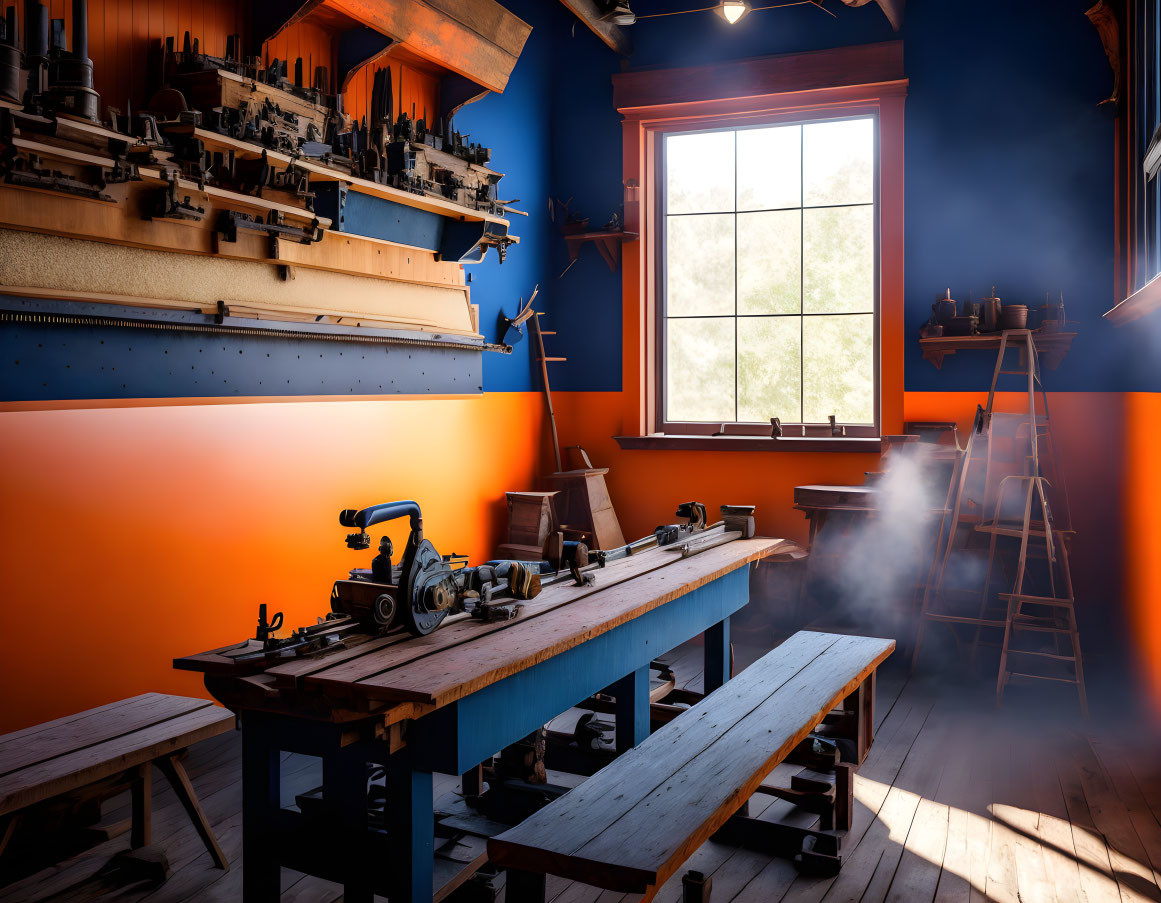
(770, 168)
(699, 369)
(838, 364)
(839, 266)
(769, 371)
(699, 171)
(770, 262)
(838, 162)
(699, 265)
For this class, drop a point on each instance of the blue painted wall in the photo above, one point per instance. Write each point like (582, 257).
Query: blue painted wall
(517, 126)
(1009, 171)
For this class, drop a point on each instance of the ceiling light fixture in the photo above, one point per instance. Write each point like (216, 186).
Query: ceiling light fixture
(733, 10)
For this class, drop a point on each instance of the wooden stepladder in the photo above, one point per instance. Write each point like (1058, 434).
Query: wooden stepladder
(1005, 491)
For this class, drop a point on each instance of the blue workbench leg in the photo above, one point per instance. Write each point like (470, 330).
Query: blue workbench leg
(260, 803)
(411, 831)
(632, 694)
(717, 655)
(345, 791)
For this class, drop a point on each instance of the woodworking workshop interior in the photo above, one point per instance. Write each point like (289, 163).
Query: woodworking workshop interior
(580, 451)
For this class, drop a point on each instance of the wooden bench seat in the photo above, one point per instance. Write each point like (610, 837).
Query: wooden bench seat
(108, 749)
(631, 825)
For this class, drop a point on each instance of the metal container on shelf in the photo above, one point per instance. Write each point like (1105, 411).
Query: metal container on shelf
(990, 313)
(1014, 316)
(1052, 315)
(10, 57)
(944, 308)
(961, 326)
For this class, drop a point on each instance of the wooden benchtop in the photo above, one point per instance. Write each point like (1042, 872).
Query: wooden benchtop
(635, 822)
(467, 655)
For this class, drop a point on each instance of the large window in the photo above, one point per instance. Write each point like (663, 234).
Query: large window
(1147, 150)
(769, 277)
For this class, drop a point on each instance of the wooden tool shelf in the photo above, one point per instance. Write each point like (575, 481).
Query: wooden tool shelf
(321, 173)
(1051, 346)
(152, 174)
(608, 242)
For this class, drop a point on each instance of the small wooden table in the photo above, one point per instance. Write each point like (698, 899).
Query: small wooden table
(817, 502)
(448, 701)
(115, 743)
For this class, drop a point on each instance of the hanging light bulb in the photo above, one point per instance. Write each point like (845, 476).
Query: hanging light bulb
(733, 10)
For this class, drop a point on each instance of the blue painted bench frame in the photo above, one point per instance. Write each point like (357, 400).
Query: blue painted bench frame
(452, 740)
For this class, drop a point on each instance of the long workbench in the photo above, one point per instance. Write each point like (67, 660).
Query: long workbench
(448, 701)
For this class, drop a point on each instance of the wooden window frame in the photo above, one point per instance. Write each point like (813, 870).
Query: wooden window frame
(830, 84)
(751, 428)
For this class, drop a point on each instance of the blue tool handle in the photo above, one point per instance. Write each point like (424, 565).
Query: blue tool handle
(376, 514)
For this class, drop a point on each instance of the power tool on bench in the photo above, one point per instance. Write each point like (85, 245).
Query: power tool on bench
(425, 587)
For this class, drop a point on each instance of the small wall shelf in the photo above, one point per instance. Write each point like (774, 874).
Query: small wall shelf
(607, 242)
(1052, 346)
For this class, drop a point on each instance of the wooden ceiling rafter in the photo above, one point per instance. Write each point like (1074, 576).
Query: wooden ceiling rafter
(613, 36)
(477, 39)
(892, 9)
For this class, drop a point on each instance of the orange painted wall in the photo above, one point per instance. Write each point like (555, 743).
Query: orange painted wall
(124, 33)
(1142, 497)
(314, 45)
(132, 535)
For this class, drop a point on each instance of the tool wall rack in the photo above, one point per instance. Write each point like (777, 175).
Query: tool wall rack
(67, 350)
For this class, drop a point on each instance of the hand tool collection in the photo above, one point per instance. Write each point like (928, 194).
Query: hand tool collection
(425, 588)
(231, 122)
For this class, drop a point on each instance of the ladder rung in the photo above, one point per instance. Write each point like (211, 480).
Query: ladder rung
(1039, 600)
(549, 359)
(1035, 629)
(1063, 680)
(1058, 658)
(547, 332)
(959, 619)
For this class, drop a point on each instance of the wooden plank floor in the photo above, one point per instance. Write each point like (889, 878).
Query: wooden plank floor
(957, 802)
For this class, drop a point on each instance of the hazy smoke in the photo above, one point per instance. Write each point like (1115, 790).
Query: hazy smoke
(875, 569)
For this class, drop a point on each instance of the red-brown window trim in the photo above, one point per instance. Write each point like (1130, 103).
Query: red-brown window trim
(844, 81)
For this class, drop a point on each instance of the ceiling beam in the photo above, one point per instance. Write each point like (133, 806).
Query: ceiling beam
(478, 39)
(892, 9)
(589, 12)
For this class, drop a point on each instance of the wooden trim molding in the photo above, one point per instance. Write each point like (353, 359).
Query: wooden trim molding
(1145, 300)
(749, 443)
(784, 87)
(791, 73)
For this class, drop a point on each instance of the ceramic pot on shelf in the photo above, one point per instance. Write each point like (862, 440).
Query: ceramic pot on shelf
(944, 309)
(1014, 316)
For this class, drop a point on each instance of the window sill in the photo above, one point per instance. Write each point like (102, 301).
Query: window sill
(1145, 300)
(671, 442)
